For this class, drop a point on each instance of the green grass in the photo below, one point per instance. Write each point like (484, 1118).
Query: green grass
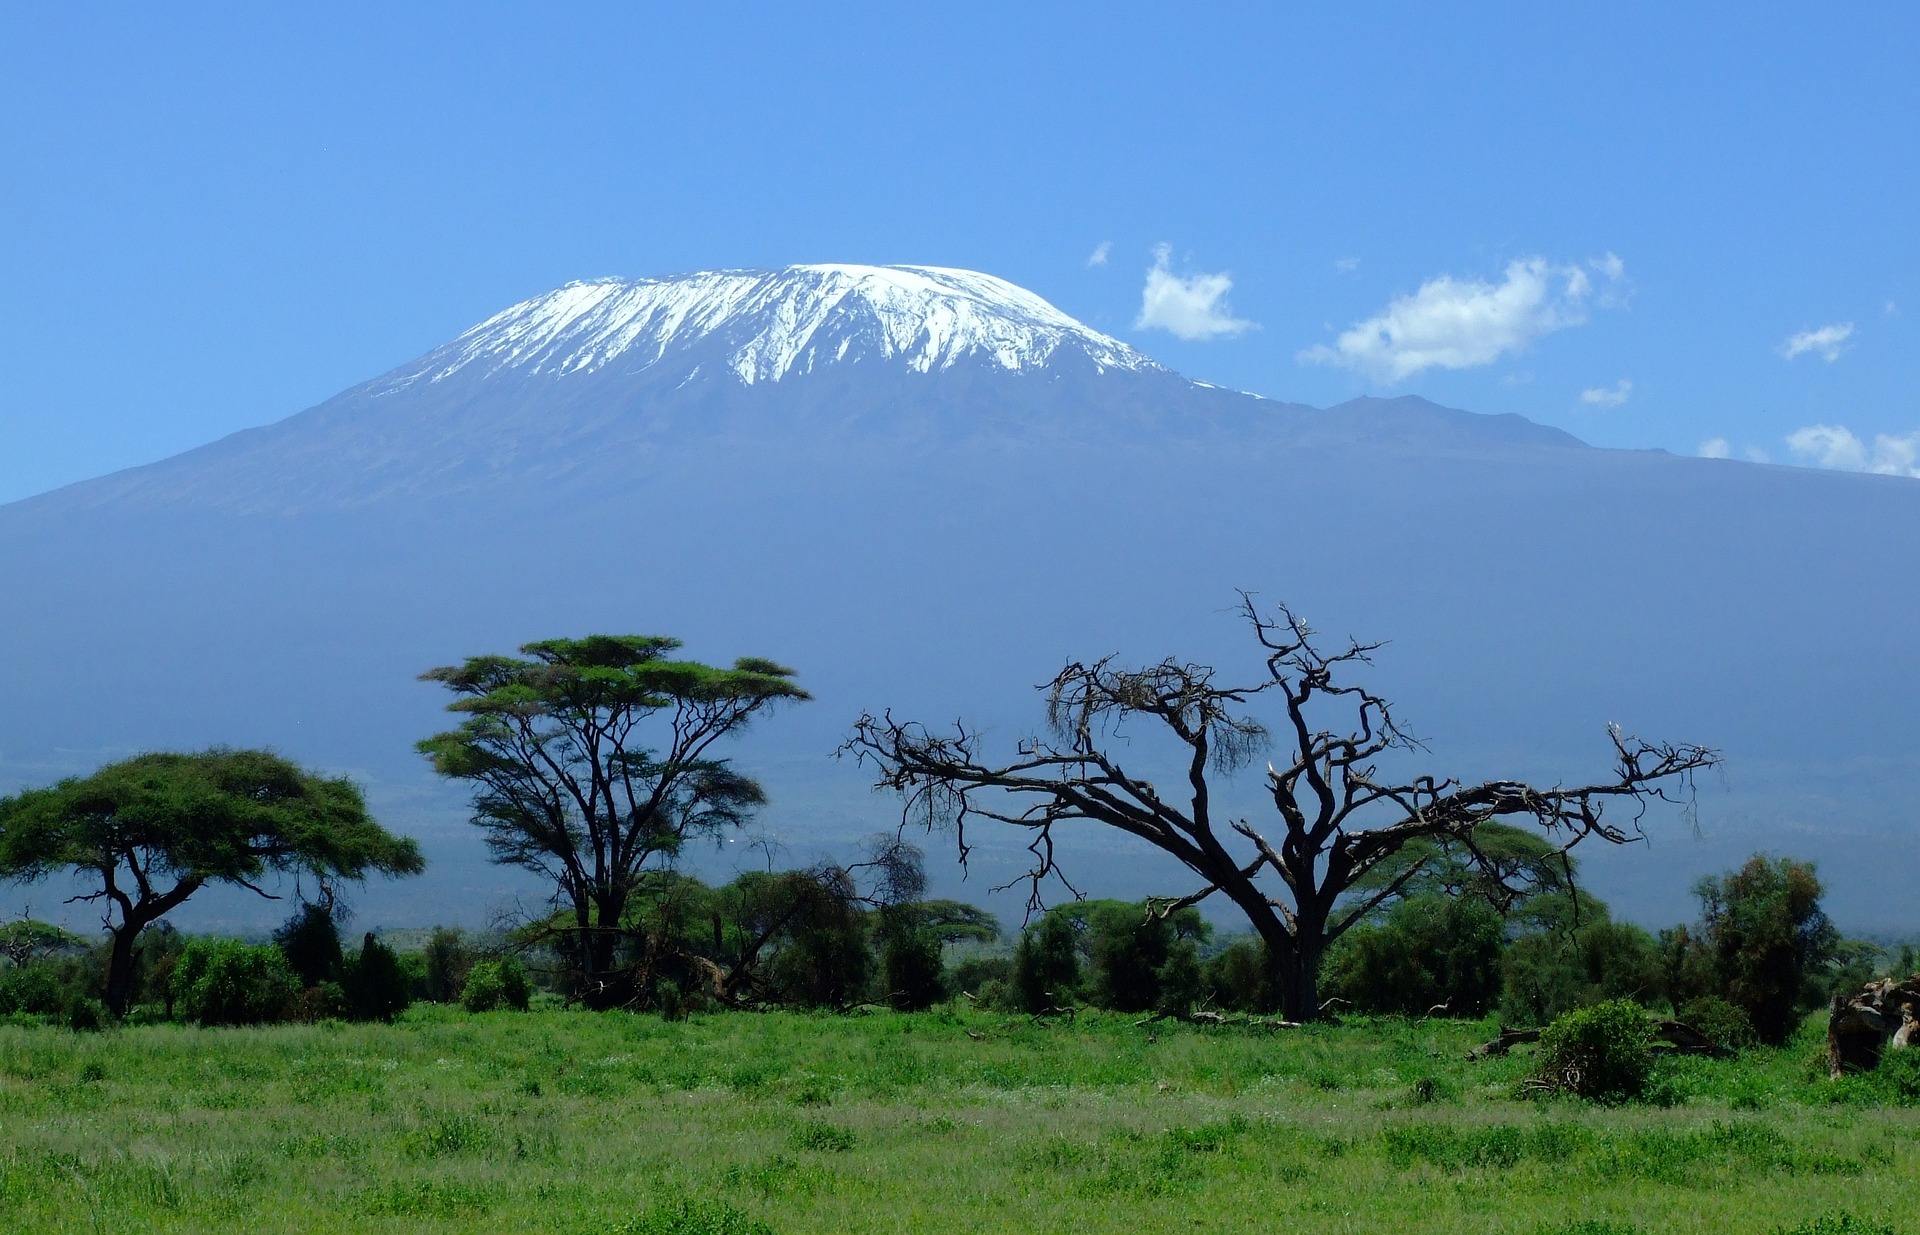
(782, 1124)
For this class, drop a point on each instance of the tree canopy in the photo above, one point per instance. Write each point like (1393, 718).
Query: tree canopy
(592, 762)
(150, 831)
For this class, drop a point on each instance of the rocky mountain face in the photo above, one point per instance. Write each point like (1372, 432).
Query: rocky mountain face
(926, 489)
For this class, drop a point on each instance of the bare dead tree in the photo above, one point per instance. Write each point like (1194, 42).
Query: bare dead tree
(1339, 817)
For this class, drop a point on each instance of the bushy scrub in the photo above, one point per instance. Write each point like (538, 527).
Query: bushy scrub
(1565, 965)
(494, 985)
(32, 989)
(226, 982)
(1603, 1053)
(1726, 1026)
(374, 983)
(311, 943)
(1431, 952)
(1046, 964)
(1237, 976)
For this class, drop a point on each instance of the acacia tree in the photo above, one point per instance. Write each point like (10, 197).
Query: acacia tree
(153, 830)
(592, 764)
(1340, 818)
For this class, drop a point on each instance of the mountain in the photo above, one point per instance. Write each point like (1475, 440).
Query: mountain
(926, 489)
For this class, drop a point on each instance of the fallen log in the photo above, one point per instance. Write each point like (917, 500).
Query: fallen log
(1506, 1041)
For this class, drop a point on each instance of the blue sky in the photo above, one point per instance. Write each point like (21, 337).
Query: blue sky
(1617, 219)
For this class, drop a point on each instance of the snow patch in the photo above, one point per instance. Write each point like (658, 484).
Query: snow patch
(770, 324)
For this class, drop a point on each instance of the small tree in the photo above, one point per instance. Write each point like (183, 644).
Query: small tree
(1340, 817)
(310, 940)
(592, 764)
(151, 831)
(1766, 936)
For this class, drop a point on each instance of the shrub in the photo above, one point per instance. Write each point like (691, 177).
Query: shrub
(227, 982)
(492, 985)
(974, 973)
(911, 966)
(1556, 970)
(448, 963)
(1431, 951)
(33, 989)
(1725, 1025)
(1134, 951)
(375, 986)
(1237, 977)
(311, 943)
(1604, 1053)
(1046, 964)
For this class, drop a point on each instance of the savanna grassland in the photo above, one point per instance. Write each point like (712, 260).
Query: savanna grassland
(739, 1124)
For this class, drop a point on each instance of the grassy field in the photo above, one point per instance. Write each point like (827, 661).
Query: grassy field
(576, 1122)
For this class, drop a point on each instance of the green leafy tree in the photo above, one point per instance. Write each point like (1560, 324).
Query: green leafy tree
(310, 940)
(1561, 965)
(26, 940)
(447, 961)
(913, 939)
(1431, 954)
(375, 983)
(1767, 939)
(1046, 964)
(592, 762)
(150, 831)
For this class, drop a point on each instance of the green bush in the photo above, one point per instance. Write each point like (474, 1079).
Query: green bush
(1239, 977)
(311, 943)
(375, 985)
(1726, 1026)
(446, 964)
(911, 965)
(1603, 1053)
(1432, 951)
(493, 985)
(1563, 966)
(33, 989)
(1046, 964)
(227, 982)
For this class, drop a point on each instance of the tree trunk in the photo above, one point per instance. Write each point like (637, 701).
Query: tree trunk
(118, 995)
(1297, 974)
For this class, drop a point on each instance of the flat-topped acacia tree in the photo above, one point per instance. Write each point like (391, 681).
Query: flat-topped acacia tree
(1339, 817)
(592, 764)
(151, 831)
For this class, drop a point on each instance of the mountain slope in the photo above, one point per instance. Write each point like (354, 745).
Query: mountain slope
(932, 518)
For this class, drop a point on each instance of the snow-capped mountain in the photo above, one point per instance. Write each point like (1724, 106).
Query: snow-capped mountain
(763, 325)
(926, 489)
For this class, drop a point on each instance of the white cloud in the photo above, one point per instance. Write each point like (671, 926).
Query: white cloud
(1836, 447)
(1716, 448)
(1347, 265)
(1465, 323)
(1756, 455)
(1608, 396)
(1191, 308)
(1100, 254)
(1828, 342)
(1892, 309)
